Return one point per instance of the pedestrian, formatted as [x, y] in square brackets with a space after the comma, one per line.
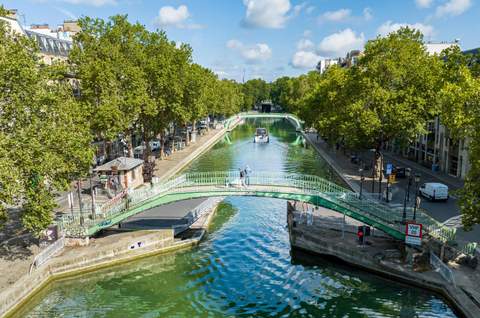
[248, 171]
[242, 178]
[360, 235]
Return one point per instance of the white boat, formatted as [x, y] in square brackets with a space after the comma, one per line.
[261, 136]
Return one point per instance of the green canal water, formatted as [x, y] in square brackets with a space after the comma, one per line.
[245, 267]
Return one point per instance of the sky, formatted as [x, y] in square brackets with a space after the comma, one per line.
[245, 39]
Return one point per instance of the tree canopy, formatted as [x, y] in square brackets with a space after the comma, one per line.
[44, 139]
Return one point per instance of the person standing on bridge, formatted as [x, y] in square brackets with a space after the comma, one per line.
[242, 178]
[248, 171]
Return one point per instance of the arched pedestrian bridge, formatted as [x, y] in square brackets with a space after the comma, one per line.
[291, 117]
[306, 188]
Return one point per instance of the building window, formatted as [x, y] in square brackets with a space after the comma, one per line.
[133, 174]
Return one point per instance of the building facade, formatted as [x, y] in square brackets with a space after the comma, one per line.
[438, 149]
[54, 45]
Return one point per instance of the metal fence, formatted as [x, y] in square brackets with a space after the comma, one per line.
[442, 268]
[48, 253]
[254, 183]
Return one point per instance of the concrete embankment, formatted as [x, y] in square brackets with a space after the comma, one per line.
[383, 256]
[97, 254]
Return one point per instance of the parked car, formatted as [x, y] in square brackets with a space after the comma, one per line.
[402, 172]
[434, 191]
[155, 145]
[138, 152]
[99, 160]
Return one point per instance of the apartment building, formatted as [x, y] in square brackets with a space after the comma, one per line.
[54, 44]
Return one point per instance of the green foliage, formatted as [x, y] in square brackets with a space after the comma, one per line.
[3, 11]
[459, 101]
[255, 91]
[44, 139]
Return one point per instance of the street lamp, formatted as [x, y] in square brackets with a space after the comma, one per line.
[362, 178]
[380, 178]
[92, 194]
[407, 194]
[80, 203]
[417, 201]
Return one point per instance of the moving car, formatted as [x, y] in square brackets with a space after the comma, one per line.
[261, 136]
[434, 191]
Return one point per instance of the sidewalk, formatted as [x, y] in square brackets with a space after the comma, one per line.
[448, 212]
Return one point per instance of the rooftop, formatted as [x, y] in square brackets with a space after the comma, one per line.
[122, 164]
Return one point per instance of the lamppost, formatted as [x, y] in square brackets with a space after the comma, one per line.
[417, 201]
[407, 194]
[80, 204]
[380, 177]
[92, 194]
[362, 178]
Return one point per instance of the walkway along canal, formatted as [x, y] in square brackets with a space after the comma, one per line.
[245, 267]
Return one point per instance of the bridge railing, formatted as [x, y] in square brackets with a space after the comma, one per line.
[394, 216]
[229, 181]
[297, 121]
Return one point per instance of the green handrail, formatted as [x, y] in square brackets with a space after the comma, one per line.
[293, 186]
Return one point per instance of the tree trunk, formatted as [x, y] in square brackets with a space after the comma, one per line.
[162, 146]
[187, 137]
[129, 138]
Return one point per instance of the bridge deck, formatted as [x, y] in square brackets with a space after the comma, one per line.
[311, 189]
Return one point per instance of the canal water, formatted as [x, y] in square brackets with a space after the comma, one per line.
[245, 267]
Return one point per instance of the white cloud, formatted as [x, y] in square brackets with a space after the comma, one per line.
[298, 8]
[336, 16]
[305, 59]
[338, 44]
[310, 9]
[423, 3]
[307, 33]
[305, 45]
[271, 14]
[389, 27]
[96, 3]
[251, 53]
[168, 16]
[221, 74]
[367, 14]
[453, 8]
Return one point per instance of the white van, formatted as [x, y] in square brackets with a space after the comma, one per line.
[434, 191]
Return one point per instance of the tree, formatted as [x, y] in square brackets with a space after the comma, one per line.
[107, 58]
[255, 91]
[395, 83]
[44, 138]
[164, 66]
[459, 101]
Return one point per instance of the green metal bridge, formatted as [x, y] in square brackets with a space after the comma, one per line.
[291, 117]
[306, 188]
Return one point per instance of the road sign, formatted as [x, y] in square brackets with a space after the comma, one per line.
[413, 234]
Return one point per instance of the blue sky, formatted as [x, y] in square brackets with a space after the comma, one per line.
[272, 38]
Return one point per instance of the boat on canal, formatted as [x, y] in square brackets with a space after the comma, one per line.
[261, 136]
